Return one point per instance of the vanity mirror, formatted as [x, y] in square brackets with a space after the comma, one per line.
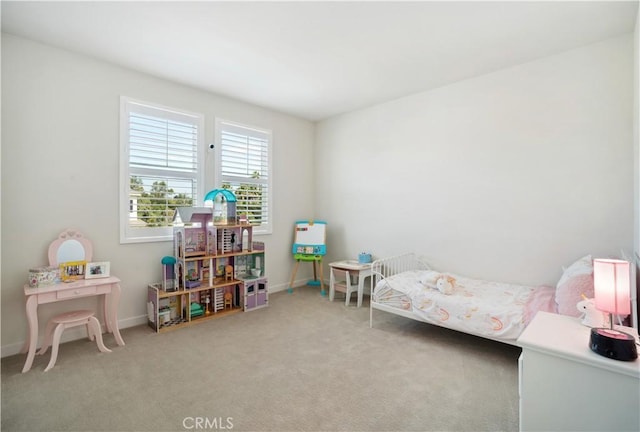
[70, 245]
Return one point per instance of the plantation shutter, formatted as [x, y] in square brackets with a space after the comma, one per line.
[162, 143]
[163, 167]
[244, 169]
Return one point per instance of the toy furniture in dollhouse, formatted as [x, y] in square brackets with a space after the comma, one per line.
[71, 245]
[213, 256]
[169, 281]
[228, 272]
[196, 309]
[218, 299]
[60, 323]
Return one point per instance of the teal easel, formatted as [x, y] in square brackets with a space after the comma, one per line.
[309, 246]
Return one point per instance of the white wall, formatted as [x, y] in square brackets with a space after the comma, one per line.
[60, 131]
[506, 176]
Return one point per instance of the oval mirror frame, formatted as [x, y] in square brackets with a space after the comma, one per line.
[70, 245]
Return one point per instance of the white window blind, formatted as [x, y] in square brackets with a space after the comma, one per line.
[243, 160]
[160, 162]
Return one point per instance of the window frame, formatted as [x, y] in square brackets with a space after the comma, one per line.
[127, 106]
[266, 228]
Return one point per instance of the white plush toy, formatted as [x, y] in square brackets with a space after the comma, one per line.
[592, 317]
[441, 282]
[445, 284]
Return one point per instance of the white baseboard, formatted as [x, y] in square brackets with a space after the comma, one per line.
[284, 287]
[296, 284]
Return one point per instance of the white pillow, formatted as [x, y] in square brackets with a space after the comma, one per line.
[582, 266]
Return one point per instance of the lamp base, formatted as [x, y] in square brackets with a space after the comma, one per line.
[613, 344]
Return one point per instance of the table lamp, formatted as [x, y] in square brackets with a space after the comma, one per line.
[611, 281]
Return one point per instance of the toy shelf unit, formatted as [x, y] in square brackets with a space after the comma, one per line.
[215, 267]
[183, 307]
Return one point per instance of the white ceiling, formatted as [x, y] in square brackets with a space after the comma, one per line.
[318, 59]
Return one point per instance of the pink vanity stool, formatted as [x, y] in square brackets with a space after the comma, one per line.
[59, 323]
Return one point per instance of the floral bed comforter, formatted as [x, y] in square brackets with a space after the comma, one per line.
[493, 309]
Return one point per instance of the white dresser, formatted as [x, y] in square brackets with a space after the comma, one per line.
[564, 386]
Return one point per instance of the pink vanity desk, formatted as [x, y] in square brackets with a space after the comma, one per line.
[72, 243]
[108, 287]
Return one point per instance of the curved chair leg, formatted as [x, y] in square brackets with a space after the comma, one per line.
[48, 336]
[96, 330]
[54, 349]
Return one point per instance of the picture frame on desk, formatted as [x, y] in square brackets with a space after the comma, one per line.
[72, 270]
[96, 270]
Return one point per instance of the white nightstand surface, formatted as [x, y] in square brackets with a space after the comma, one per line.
[565, 337]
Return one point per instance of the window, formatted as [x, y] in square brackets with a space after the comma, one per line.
[243, 156]
[160, 158]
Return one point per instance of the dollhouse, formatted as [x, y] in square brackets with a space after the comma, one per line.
[217, 267]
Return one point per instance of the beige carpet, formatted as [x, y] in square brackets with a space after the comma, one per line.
[301, 364]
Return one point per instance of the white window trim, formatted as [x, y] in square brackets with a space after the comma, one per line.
[268, 227]
[159, 233]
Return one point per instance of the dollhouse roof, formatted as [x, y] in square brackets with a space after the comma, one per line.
[185, 215]
[226, 193]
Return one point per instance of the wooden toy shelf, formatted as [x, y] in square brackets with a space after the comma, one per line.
[183, 307]
[218, 271]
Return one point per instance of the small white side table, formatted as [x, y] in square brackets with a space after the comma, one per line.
[351, 268]
[564, 386]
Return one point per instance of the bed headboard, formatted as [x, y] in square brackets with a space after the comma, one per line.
[385, 267]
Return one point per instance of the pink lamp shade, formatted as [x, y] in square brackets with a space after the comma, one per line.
[612, 286]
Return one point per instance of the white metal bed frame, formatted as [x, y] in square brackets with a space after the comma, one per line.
[385, 267]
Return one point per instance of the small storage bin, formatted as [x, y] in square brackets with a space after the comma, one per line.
[43, 276]
[364, 258]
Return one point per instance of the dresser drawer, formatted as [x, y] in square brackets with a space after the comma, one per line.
[76, 292]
